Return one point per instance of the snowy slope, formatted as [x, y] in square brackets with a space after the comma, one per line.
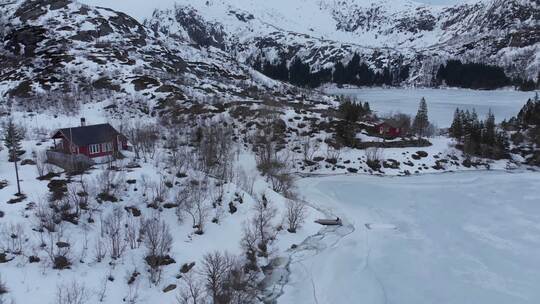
[54, 47]
[105, 279]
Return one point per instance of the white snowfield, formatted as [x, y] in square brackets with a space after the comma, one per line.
[441, 102]
[442, 238]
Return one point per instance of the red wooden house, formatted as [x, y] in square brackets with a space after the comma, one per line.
[91, 141]
[388, 129]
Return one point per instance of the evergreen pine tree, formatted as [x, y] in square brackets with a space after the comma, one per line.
[12, 140]
[490, 132]
[351, 71]
[456, 130]
[339, 73]
[367, 108]
[421, 121]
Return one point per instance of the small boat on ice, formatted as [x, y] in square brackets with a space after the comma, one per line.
[329, 222]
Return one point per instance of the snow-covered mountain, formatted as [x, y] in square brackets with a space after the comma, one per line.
[322, 32]
[54, 47]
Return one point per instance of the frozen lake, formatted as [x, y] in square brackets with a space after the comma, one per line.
[438, 238]
[441, 102]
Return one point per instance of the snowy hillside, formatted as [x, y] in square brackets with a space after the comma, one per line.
[503, 33]
[54, 49]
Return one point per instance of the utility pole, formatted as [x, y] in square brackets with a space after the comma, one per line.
[14, 155]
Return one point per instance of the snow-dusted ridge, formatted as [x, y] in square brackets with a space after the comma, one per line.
[62, 45]
[503, 33]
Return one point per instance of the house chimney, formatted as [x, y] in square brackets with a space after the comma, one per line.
[83, 121]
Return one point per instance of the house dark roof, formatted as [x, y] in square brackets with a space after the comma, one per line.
[390, 123]
[83, 136]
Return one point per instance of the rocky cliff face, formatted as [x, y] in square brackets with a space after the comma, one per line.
[498, 32]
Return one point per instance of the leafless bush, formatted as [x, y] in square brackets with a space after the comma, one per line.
[13, 238]
[226, 279]
[46, 218]
[132, 231]
[242, 285]
[191, 290]
[143, 138]
[99, 249]
[180, 156]
[296, 215]
[246, 181]
[215, 267]
[73, 293]
[108, 183]
[58, 248]
[262, 224]
[113, 227]
[274, 165]
[158, 241]
[214, 148]
[42, 167]
[102, 292]
[332, 154]
[309, 147]
[3, 290]
[374, 157]
[249, 246]
[196, 204]
[159, 192]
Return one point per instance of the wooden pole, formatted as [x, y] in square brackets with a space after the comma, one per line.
[14, 155]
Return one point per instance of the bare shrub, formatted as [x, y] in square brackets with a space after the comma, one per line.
[226, 280]
[191, 291]
[262, 224]
[246, 181]
[180, 156]
[108, 183]
[42, 167]
[59, 250]
[113, 227]
[215, 269]
[196, 206]
[3, 289]
[13, 238]
[73, 293]
[309, 148]
[296, 215]
[374, 157]
[100, 249]
[332, 154]
[214, 148]
[241, 285]
[158, 241]
[47, 219]
[132, 231]
[143, 138]
[159, 192]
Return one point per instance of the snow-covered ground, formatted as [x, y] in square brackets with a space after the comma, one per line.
[438, 238]
[441, 102]
[31, 283]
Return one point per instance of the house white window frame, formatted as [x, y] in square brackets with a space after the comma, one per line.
[106, 147]
[94, 149]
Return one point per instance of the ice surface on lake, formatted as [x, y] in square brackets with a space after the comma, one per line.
[458, 238]
[441, 102]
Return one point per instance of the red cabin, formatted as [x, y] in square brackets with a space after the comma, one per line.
[387, 129]
[92, 141]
